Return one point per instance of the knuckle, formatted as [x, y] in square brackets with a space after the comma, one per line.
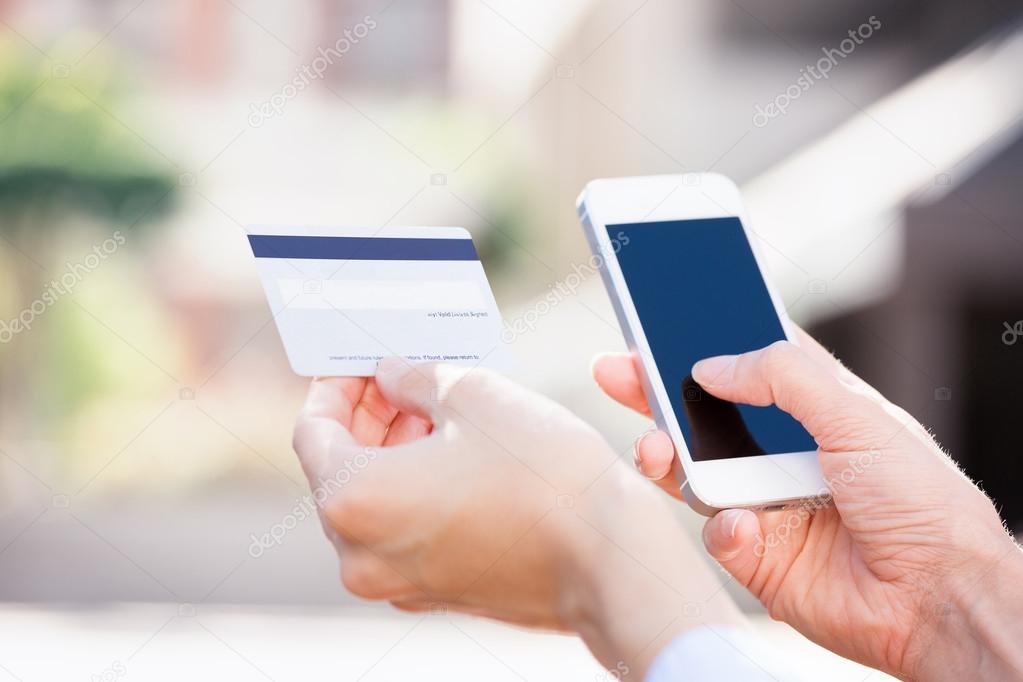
[348, 511]
[359, 578]
[779, 356]
[300, 434]
[414, 383]
[776, 609]
[463, 384]
[853, 422]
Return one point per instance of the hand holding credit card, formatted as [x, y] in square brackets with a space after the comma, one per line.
[343, 298]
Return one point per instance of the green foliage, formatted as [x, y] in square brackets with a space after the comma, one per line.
[64, 144]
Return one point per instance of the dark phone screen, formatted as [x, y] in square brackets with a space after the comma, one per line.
[699, 292]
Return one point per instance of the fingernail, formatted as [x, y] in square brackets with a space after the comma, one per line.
[715, 371]
[730, 521]
[635, 450]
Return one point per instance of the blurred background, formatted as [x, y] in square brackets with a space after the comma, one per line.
[146, 403]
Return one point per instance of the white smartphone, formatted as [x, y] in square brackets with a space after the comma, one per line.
[686, 280]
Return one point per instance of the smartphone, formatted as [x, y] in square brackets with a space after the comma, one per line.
[687, 282]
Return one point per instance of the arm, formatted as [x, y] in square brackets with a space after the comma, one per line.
[975, 628]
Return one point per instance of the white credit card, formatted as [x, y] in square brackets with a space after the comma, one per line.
[345, 297]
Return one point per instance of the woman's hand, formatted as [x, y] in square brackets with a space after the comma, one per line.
[910, 571]
[463, 490]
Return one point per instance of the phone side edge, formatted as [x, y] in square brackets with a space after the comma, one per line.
[678, 466]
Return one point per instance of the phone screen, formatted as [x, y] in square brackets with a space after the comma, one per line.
[699, 292]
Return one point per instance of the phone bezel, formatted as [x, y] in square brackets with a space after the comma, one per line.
[766, 481]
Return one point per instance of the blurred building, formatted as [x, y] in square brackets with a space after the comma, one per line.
[891, 190]
[493, 115]
[947, 344]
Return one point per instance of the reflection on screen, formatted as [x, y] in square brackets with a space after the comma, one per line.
[699, 292]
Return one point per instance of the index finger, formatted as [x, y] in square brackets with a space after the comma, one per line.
[617, 374]
[324, 421]
[335, 397]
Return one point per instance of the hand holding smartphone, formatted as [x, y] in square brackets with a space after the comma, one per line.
[687, 283]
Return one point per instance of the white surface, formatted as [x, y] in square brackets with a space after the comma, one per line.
[172, 642]
[379, 294]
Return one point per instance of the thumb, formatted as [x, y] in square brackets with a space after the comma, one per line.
[420, 389]
[840, 416]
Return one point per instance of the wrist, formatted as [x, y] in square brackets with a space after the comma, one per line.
[635, 579]
[973, 627]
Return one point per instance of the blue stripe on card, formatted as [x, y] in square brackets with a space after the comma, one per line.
[361, 248]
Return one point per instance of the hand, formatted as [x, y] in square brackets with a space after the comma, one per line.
[910, 571]
[479, 496]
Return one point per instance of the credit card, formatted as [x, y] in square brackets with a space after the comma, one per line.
[343, 298]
